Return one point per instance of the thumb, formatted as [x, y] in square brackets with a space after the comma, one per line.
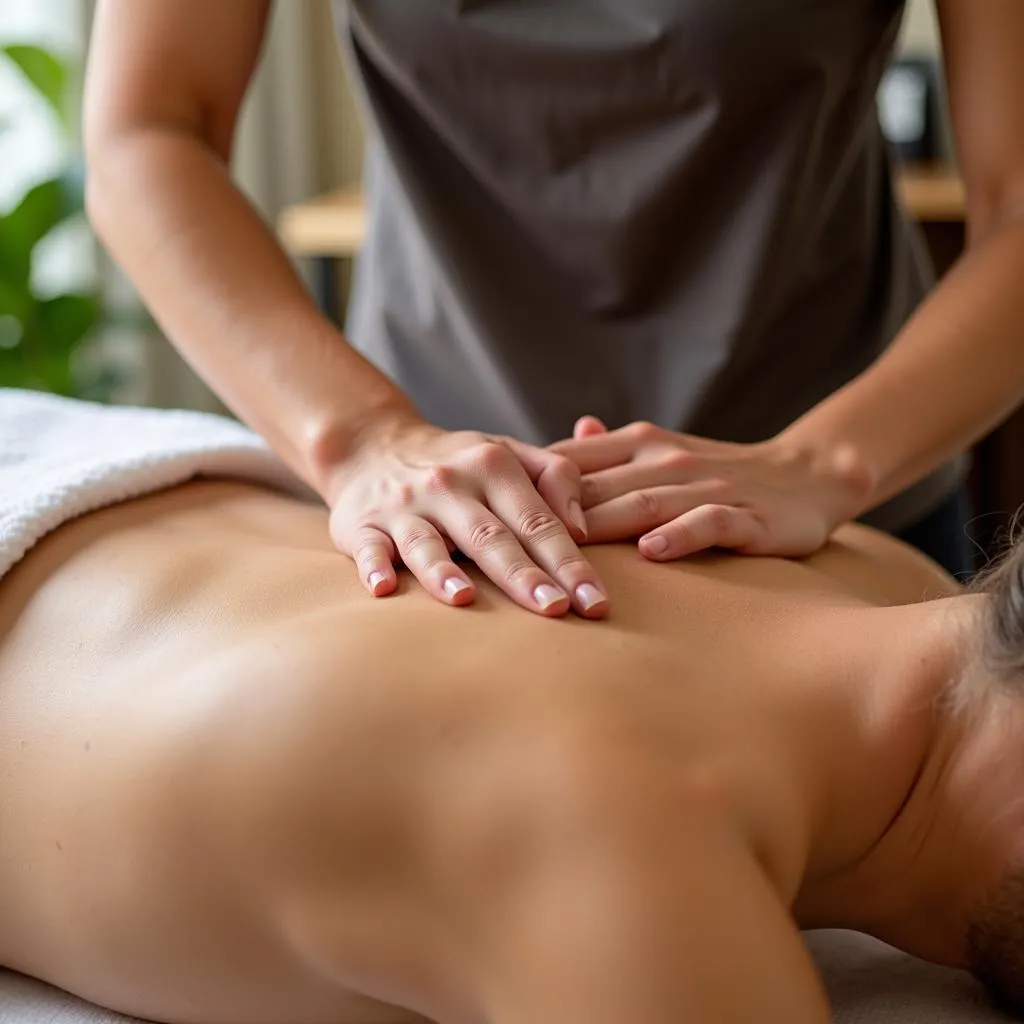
[588, 426]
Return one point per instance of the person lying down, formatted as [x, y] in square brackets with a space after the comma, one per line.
[235, 788]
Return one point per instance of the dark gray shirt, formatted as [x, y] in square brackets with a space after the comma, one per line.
[673, 210]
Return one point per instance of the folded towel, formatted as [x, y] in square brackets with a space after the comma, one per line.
[60, 458]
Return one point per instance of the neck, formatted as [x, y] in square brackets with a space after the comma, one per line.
[899, 884]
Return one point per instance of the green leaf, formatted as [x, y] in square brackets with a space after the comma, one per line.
[47, 74]
[62, 322]
[41, 209]
[54, 373]
[15, 302]
[12, 367]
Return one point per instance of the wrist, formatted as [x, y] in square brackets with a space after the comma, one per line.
[841, 482]
[330, 445]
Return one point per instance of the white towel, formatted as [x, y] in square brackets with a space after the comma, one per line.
[60, 458]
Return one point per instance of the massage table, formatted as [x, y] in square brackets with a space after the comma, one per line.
[868, 982]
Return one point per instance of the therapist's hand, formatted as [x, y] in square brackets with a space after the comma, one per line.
[682, 494]
[414, 492]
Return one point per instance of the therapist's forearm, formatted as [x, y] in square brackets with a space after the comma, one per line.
[216, 280]
[954, 372]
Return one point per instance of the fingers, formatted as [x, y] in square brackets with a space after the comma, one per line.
[374, 555]
[557, 480]
[639, 511]
[427, 557]
[677, 466]
[484, 538]
[602, 451]
[545, 540]
[424, 552]
[709, 526]
[588, 426]
[502, 505]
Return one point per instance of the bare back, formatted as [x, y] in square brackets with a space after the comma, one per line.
[131, 640]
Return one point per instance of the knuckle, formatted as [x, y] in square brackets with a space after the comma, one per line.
[563, 466]
[367, 550]
[590, 493]
[467, 438]
[647, 504]
[719, 517]
[644, 430]
[720, 490]
[517, 569]
[539, 525]
[440, 479]
[405, 495]
[416, 538]
[488, 534]
[678, 459]
[572, 564]
[490, 457]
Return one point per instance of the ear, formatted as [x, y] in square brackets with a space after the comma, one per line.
[588, 426]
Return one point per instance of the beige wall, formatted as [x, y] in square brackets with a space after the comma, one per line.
[920, 30]
[300, 132]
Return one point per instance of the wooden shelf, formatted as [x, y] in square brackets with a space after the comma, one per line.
[932, 195]
[335, 224]
[330, 225]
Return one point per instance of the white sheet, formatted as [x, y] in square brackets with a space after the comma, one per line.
[869, 983]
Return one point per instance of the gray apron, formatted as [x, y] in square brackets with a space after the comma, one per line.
[673, 210]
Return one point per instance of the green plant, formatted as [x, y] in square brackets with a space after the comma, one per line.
[41, 336]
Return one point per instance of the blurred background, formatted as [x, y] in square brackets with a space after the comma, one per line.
[70, 323]
[299, 136]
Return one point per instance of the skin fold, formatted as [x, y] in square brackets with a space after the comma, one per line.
[236, 788]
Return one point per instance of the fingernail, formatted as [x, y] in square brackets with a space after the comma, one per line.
[588, 595]
[579, 520]
[655, 545]
[453, 586]
[546, 595]
[376, 579]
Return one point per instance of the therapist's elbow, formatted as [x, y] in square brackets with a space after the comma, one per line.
[993, 202]
[100, 194]
[104, 184]
[113, 175]
[132, 164]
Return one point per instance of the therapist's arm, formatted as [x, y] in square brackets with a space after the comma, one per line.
[165, 82]
[957, 368]
[164, 86]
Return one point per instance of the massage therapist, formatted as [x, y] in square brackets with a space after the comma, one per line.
[588, 214]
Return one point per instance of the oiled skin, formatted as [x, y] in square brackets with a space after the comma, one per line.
[234, 788]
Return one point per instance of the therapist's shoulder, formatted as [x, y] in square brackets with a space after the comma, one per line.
[881, 568]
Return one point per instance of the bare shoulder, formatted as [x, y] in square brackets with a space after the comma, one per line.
[881, 568]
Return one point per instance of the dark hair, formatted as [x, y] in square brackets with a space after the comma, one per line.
[995, 932]
[995, 943]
